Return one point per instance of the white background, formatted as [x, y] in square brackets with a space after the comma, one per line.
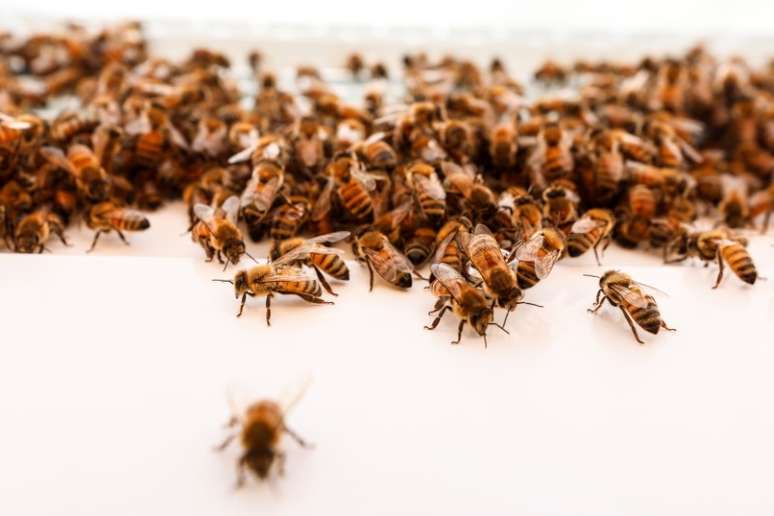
[114, 367]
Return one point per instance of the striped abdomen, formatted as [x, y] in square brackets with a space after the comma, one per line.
[642, 201]
[356, 200]
[558, 163]
[648, 318]
[434, 209]
[739, 261]
[331, 264]
[304, 288]
[669, 154]
[127, 220]
[149, 148]
[579, 243]
[420, 246]
[287, 221]
[526, 276]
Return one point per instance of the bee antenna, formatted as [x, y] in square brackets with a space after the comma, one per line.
[251, 257]
[591, 276]
[501, 327]
[507, 313]
[530, 304]
[225, 266]
[224, 280]
[485, 343]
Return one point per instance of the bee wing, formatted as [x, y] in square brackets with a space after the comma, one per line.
[632, 297]
[57, 157]
[529, 251]
[140, 125]
[330, 238]
[285, 275]
[367, 179]
[12, 123]
[481, 229]
[401, 262]
[733, 185]
[545, 264]
[432, 152]
[231, 207]
[431, 185]
[441, 249]
[292, 394]
[244, 154]
[378, 136]
[204, 213]
[271, 151]
[323, 204]
[585, 225]
[264, 198]
[305, 250]
[654, 289]
[449, 278]
[176, 137]
[689, 151]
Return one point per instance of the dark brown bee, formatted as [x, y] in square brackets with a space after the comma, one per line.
[621, 291]
[551, 72]
[261, 427]
[734, 208]
[107, 216]
[312, 253]
[355, 64]
[34, 230]
[590, 231]
[420, 245]
[15, 198]
[288, 219]
[537, 256]
[375, 250]
[469, 303]
[721, 245]
[217, 231]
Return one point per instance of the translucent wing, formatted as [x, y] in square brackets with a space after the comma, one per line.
[440, 251]
[176, 137]
[379, 259]
[244, 154]
[203, 212]
[12, 123]
[330, 238]
[733, 185]
[529, 251]
[430, 185]
[323, 204]
[292, 394]
[654, 289]
[632, 297]
[286, 275]
[545, 264]
[140, 125]
[375, 138]
[56, 156]
[432, 151]
[449, 278]
[231, 207]
[585, 225]
[262, 197]
[305, 250]
[367, 179]
[271, 151]
[481, 229]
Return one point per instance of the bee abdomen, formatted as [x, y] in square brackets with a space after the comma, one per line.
[332, 264]
[739, 261]
[525, 274]
[356, 200]
[579, 243]
[130, 222]
[648, 318]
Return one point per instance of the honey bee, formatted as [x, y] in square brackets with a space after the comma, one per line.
[537, 256]
[719, 245]
[107, 216]
[560, 203]
[260, 194]
[590, 231]
[377, 153]
[12, 135]
[420, 245]
[312, 253]
[15, 198]
[762, 202]
[354, 187]
[69, 124]
[734, 208]
[33, 231]
[503, 145]
[457, 139]
[551, 158]
[622, 291]
[288, 219]
[276, 277]
[375, 250]
[261, 427]
[467, 302]
[428, 191]
[91, 179]
[355, 65]
[478, 201]
[154, 136]
[217, 231]
[308, 141]
[551, 72]
[210, 138]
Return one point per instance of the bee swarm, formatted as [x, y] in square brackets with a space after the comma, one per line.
[463, 171]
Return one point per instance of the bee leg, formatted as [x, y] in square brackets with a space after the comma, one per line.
[667, 328]
[766, 221]
[242, 304]
[631, 325]
[94, 242]
[438, 318]
[300, 440]
[280, 458]
[240, 482]
[122, 237]
[597, 304]
[222, 446]
[268, 308]
[438, 305]
[324, 282]
[459, 332]
[596, 254]
[220, 258]
[62, 238]
[315, 300]
[370, 276]
[720, 272]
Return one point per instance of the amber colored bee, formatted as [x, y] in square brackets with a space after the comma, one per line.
[622, 291]
[428, 191]
[734, 207]
[551, 158]
[211, 137]
[217, 231]
[551, 72]
[721, 245]
[663, 231]
[377, 153]
[154, 136]
[33, 231]
[276, 277]
[478, 200]
[560, 203]
[312, 253]
[503, 145]
[537, 256]
[288, 219]
[69, 124]
[379, 71]
[420, 245]
[15, 198]
[499, 278]
[375, 250]
[762, 202]
[354, 187]
[261, 427]
[107, 216]
[355, 64]
[590, 231]
[260, 194]
[467, 302]
[457, 139]
[91, 179]
[308, 143]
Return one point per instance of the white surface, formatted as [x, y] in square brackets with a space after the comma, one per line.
[114, 371]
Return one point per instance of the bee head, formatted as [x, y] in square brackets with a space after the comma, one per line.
[480, 320]
[25, 243]
[234, 249]
[510, 298]
[240, 283]
[404, 280]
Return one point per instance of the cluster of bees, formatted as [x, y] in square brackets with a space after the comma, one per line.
[463, 172]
